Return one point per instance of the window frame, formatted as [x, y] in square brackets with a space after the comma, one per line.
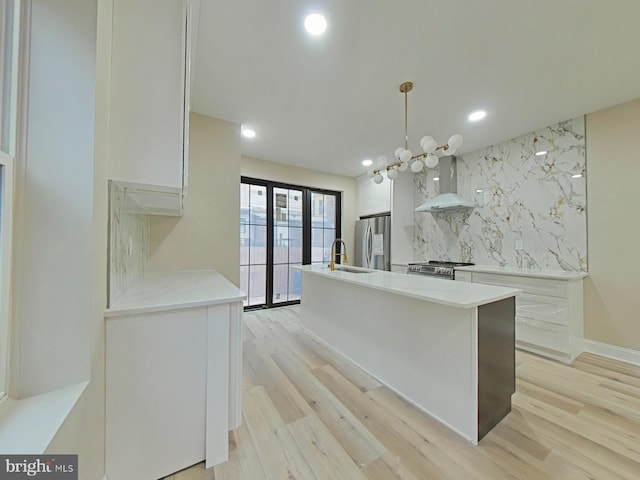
[8, 163]
[306, 230]
[6, 233]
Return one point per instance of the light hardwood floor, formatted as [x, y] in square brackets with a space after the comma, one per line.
[309, 414]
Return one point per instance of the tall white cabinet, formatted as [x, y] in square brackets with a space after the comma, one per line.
[373, 198]
[402, 222]
[152, 46]
[394, 196]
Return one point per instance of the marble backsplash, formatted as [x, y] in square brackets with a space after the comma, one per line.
[128, 242]
[530, 210]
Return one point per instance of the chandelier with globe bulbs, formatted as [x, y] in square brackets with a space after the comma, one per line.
[405, 159]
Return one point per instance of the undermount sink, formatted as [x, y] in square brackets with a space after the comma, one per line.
[351, 270]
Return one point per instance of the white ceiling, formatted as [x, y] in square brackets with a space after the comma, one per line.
[328, 102]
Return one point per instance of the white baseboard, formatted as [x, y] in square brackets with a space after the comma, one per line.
[612, 351]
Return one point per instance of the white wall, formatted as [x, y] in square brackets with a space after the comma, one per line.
[611, 290]
[53, 254]
[208, 235]
[278, 172]
[80, 284]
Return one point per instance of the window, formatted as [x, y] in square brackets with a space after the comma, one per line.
[9, 23]
[282, 226]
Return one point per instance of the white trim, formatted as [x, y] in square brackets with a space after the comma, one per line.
[612, 351]
[13, 364]
[6, 236]
[235, 365]
[29, 424]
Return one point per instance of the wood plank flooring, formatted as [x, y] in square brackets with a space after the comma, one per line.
[310, 414]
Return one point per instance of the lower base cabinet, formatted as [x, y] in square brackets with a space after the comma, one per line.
[173, 389]
[549, 312]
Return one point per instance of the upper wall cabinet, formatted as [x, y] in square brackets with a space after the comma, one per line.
[152, 43]
[373, 198]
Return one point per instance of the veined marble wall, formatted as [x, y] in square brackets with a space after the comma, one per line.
[128, 242]
[530, 210]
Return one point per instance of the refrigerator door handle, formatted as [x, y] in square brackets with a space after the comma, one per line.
[369, 245]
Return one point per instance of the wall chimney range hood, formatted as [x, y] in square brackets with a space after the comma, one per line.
[448, 199]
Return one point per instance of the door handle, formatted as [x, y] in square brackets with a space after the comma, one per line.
[369, 245]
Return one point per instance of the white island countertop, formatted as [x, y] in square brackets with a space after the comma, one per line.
[526, 272]
[446, 292]
[158, 292]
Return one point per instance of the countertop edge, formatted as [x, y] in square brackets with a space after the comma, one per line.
[514, 291]
[551, 274]
[215, 290]
[109, 313]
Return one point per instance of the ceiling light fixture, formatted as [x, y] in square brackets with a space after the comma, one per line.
[577, 175]
[405, 158]
[367, 163]
[477, 115]
[248, 132]
[315, 24]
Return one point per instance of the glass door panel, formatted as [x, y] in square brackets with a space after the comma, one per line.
[287, 239]
[253, 243]
[323, 226]
[282, 226]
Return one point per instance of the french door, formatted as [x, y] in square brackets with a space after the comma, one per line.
[282, 226]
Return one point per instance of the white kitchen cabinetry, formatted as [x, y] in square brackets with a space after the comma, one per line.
[462, 276]
[150, 93]
[173, 374]
[549, 312]
[373, 198]
[402, 219]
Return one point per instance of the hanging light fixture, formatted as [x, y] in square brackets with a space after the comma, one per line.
[404, 158]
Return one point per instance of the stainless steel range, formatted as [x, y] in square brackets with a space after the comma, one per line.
[435, 268]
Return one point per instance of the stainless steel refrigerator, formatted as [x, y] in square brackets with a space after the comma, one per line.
[373, 243]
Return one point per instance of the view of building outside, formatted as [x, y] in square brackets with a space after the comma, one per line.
[253, 243]
[287, 244]
[323, 226]
[288, 226]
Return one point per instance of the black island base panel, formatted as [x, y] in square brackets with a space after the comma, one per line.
[496, 362]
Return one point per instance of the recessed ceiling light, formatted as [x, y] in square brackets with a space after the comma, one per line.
[436, 179]
[477, 115]
[248, 132]
[541, 152]
[315, 24]
[577, 175]
[367, 163]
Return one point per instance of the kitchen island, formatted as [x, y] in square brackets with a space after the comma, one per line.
[447, 347]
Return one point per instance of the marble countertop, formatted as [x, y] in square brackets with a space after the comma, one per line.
[526, 272]
[436, 290]
[175, 290]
